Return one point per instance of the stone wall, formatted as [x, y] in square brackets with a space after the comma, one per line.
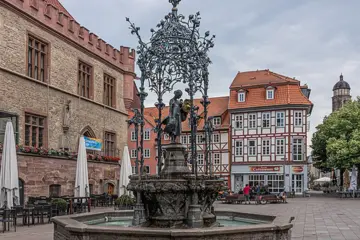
[75, 227]
[20, 94]
[38, 173]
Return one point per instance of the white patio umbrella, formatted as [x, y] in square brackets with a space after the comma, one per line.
[9, 179]
[125, 171]
[353, 181]
[323, 179]
[82, 177]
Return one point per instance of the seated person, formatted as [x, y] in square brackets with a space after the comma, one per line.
[282, 196]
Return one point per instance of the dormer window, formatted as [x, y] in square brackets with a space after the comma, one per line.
[270, 93]
[241, 97]
[217, 121]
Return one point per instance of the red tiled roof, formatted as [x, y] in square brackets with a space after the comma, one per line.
[217, 108]
[287, 90]
[148, 118]
[259, 77]
[60, 7]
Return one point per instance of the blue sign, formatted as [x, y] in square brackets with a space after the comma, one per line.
[93, 144]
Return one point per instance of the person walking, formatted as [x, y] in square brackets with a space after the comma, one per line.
[247, 193]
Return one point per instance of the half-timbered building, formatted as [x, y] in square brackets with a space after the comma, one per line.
[269, 125]
[220, 137]
[219, 146]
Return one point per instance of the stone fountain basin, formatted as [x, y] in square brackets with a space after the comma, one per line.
[75, 227]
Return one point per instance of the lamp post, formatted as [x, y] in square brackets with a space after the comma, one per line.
[284, 172]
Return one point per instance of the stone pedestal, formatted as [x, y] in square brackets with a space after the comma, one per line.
[175, 164]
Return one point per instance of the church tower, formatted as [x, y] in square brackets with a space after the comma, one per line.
[341, 94]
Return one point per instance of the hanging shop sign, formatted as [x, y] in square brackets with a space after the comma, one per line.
[297, 169]
[93, 144]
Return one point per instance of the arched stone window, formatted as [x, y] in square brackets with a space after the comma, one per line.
[55, 190]
[88, 132]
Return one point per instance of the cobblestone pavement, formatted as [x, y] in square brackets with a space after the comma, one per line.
[316, 218]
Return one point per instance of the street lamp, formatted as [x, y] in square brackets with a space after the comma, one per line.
[284, 173]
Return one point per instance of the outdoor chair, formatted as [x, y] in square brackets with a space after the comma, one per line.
[46, 213]
[38, 214]
[54, 210]
[7, 216]
[19, 213]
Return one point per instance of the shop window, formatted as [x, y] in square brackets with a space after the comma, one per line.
[276, 183]
[257, 179]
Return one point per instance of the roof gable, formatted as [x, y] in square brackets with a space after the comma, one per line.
[260, 77]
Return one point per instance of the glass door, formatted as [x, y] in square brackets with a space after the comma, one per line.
[297, 183]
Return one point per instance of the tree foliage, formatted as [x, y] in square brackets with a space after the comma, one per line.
[336, 142]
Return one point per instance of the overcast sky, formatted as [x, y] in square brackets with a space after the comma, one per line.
[312, 40]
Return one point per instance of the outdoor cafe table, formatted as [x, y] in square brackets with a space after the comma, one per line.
[80, 199]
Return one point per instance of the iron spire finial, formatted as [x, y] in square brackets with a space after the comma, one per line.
[341, 77]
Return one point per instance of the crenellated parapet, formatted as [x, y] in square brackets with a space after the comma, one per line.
[59, 21]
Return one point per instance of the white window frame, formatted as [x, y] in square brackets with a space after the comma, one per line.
[166, 137]
[280, 119]
[275, 182]
[147, 155]
[199, 138]
[241, 96]
[183, 139]
[217, 121]
[266, 120]
[133, 169]
[280, 146]
[252, 149]
[298, 148]
[252, 120]
[217, 158]
[200, 159]
[133, 136]
[298, 118]
[270, 94]
[239, 151]
[147, 134]
[266, 147]
[238, 121]
[133, 153]
[216, 138]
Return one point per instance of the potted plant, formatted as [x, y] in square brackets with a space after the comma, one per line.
[61, 205]
[124, 202]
